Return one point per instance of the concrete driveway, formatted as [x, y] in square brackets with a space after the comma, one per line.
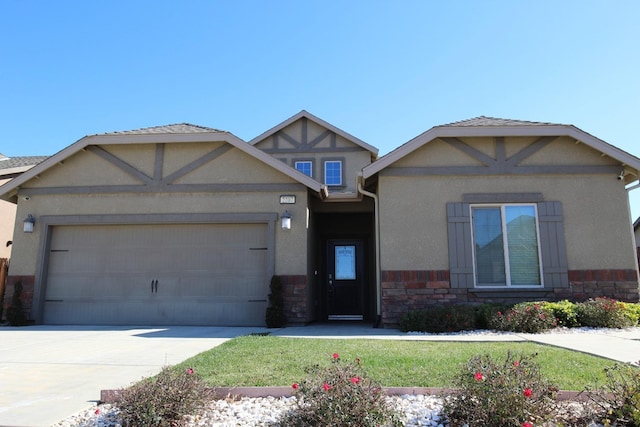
[48, 373]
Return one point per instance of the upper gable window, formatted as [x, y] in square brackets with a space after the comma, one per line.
[333, 172]
[506, 245]
[306, 167]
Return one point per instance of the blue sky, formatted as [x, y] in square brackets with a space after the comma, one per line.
[384, 71]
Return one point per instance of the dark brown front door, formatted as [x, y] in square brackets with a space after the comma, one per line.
[345, 279]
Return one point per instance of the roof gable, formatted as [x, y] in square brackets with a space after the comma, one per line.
[318, 121]
[181, 133]
[495, 127]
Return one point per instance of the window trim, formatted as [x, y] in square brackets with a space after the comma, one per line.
[324, 171]
[507, 285]
[310, 161]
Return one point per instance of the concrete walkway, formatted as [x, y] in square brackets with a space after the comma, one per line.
[48, 373]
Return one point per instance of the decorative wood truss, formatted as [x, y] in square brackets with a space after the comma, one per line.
[304, 145]
[159, 182]
[500, 164]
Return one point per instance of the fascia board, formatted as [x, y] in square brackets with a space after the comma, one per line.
[277, 127]
[485, 131]
[342, 133]
[318, 121]
[16, 182]
[124, 139]
[275, 163]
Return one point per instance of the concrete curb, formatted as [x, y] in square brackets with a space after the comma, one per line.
[111, 396]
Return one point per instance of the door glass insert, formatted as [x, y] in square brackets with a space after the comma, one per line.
[345, 262]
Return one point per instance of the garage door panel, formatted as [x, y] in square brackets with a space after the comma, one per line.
[205, 273]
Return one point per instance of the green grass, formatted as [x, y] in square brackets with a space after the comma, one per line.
[277, 361]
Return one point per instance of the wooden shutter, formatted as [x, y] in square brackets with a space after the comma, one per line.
[552, 245]
[460, 249]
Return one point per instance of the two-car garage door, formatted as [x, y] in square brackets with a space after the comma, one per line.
[168, 274]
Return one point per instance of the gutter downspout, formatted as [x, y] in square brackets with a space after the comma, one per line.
[377, 246]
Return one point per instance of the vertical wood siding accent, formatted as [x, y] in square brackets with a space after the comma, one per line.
[552, 245]
[460, 250]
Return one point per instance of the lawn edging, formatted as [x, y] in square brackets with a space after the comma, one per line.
[111, 396]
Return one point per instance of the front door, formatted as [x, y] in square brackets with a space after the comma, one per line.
[345, 279]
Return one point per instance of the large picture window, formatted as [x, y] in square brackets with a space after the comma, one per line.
[506, 246]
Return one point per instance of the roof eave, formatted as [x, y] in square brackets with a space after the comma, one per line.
[488, 131]
[319, 121]
[9, 189]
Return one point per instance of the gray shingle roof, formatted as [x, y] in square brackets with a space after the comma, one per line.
[494, 121]
[173, 128]
[16, 162]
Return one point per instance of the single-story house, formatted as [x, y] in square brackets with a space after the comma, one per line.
[184, 224]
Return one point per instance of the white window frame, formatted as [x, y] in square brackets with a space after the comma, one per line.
[309, 162]
[326, 163]
[507, 284]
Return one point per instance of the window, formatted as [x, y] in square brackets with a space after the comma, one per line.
[333, 172]
[305, 167]
[505, 245]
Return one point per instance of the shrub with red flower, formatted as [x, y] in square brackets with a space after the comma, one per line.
[529, 317]
[504, 393]
[338, 395]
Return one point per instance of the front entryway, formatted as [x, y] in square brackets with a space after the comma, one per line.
[345, 279]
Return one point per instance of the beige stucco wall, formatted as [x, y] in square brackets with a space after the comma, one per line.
[353, 156]
[413, 209]
[234, 167]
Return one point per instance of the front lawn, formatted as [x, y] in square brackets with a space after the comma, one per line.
[278, 361]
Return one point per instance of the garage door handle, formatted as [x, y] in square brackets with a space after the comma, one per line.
[154, 286]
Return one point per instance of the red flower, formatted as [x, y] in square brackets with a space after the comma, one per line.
[527, 424]
[326, 387]
[336, 356]
[527, 392]
[499, 313]
[190, 371]
[355, 380]
[516, 363]
[295, 386]
[478, 376]
[97, 412]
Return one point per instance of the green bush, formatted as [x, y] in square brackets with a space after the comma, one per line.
[618, 400]
[485, 312]
[511, 393]
[440, 318]
[632, 311]
[162, 401]
[528, 317]
[603, 313]
[565, 312]
[339, 395]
